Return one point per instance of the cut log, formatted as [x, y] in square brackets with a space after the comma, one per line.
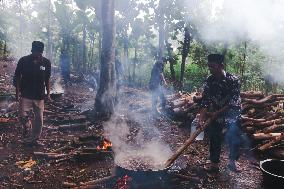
[252, 94]
[265, 136]
[96, 150]
[49, 155]
[73, 127]
[252, 119]
[8, 120]
[69, 184]
[273, 128]
[270, 123]
[263, 100]
[272, 142]
[262, 113]
[97, 181]
[69, 119]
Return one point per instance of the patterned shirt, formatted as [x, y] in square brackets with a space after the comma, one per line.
[219, 93]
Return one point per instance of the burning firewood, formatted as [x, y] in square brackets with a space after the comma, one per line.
[8, 120]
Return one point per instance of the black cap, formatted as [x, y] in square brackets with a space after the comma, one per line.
[217, 58]
[37, 46]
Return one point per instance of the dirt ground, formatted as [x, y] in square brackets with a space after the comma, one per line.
[38, 172]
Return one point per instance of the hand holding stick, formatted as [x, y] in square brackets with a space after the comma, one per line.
[188, 142]
[199, 129]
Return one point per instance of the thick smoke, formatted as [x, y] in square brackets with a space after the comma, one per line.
[141, 140]
[57, 87]
[231, 21]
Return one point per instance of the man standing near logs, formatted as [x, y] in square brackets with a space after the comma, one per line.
[156, 83]
[32, 78]
[221, 100]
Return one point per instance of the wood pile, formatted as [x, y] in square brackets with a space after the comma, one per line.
[262, 116]
[183, 105]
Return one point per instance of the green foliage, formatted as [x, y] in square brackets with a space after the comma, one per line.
[137, 25]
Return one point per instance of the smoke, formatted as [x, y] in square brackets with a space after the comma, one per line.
[57, 87]
[233, 21]
[132, 135]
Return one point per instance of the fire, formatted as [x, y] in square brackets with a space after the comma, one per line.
[107, 144]
[124, 182]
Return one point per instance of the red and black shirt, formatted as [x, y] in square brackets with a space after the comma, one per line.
[34, 74]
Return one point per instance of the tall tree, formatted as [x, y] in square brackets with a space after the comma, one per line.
[106, 94]
[185, 51]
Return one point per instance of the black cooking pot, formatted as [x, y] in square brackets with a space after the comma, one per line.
[142, 175]
[55, 95]
[273, 173]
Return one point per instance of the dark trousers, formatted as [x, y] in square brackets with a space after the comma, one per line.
[156, 94]
[232, 137]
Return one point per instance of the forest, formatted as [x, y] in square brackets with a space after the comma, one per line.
[102, 122]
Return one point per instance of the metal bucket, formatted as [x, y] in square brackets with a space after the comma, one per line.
[273, 173]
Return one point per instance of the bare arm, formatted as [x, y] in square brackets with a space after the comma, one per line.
[47, 81]
[18, 76]
[17, 88]
[47, 85]
[163, 79]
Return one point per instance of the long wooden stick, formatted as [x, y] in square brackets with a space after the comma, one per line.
[187, 143]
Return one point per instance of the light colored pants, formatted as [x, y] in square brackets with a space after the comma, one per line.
[36, 107]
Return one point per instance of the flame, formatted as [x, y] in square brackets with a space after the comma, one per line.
[107, 144]
[124, 182]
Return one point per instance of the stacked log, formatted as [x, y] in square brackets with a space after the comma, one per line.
[263, 118]
[262, 115]
[183, 105]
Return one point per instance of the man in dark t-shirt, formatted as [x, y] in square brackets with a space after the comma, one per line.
[156, 83]
[32, 79]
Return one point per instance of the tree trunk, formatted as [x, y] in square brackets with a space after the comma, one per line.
[21, 28]
[225, 50]
[243, 63]
[65, 60]
[185, 51]
[134, 65]
[172, 62]
[161, 22]
[5, 48]
[100, 46]
[49, 41]
[106, 94]
[126, 57]
[84, 62]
